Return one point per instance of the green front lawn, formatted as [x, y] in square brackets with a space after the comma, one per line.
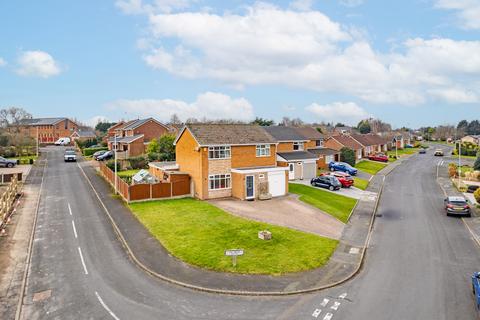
[199, 233]
[360, 183]
[371, 167]
[331, 203]
[25, 159]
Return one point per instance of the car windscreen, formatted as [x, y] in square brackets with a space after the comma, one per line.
[458, 203]
[69, 152]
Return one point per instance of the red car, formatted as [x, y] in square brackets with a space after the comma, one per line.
[378, 157]
[345, 179]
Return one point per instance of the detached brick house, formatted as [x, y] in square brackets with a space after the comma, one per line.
[48, 130]
[134, 136]
[337, 142]
[371, 143]
[230, 160]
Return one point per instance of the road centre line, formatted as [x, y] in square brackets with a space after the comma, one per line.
[343, 295]
[106, 307]
[328, 316]
[324, 302]
[74, 229]
[83, 261]
[335, 305]
[316, 313]
[70, 209]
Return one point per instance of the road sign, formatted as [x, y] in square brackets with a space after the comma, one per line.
[234, 253]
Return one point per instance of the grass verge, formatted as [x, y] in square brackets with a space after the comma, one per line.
[198, 233]
[331, 203]
[360, 183]
[371, 167]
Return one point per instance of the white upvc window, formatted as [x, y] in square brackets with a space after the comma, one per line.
[219, 181]
[319, 143]
[219, 152]
[263, 150]
[298, 146]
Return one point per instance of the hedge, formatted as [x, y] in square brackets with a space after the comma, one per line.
[89, 151]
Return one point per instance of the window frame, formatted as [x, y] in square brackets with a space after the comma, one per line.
[298, 144]
[219, 150]
[266, 150]
[217, 178]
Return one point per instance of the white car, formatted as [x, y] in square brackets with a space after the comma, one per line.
[62, 142]
[70, 155]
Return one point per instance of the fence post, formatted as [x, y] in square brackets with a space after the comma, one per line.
[151, 196]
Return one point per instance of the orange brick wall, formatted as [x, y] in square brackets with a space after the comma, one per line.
[150, 130]
[50, 134]
[285, 147]
[245, 156]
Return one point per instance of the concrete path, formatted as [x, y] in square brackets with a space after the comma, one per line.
[287, 212]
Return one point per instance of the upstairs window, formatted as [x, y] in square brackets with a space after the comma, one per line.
[298, 146]
[263, 150]
[319, 143]
[220, 152]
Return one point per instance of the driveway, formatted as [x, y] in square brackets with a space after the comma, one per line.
[285, 211]
[351, 192]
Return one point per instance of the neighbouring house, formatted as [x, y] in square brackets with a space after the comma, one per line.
[371, 143]
[325, 156]
[339, 141]
[475, 139]
[83, 134]
[344, 130]
[133, 136]
[292, 151]
[230, 160]
[47, 130]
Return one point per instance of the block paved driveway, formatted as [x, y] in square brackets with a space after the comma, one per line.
[285, 211]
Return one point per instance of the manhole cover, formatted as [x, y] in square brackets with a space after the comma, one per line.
[42, 295]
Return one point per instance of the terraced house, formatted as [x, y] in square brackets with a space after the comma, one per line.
[230, 160]
[48, 130]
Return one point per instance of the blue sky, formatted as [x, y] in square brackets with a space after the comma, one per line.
[407, 62]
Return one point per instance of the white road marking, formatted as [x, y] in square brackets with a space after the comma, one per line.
[354, 250]
[83, 261]
[335, 306]
[74, 229]
[343, 295]
[106, 307]
[328, 316]
[316, 313]
[69, 209]
[324, 302]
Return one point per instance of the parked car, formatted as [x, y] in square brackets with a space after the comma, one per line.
[422, 151]
[63, 141]
[98, 154]
[476, 289]
[457, 206]
[408, 146]
[8, 163]
[378, 157]
[327, 182]
[343, 167]
[438, 153]
[70, 155]
[107, 155]
[472, 188]
[345, 179]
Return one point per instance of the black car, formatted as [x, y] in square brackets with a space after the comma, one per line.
[98, 154]
[472, 188]
[422, 151]
[457, 206]
[327, 182]
[106, 156]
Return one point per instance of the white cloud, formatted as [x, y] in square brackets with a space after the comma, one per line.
[456, 95]
[306, 49]
[2, 62]
[347, 112]
[92, 122]
[37, 64]
[209, 105]
[468, 12]
[150, 7]
[301, 5]
[351, 3]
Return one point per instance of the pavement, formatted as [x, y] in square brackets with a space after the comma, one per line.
[417, 266]
[285, 211]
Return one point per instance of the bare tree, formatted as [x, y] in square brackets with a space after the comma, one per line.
[12, 117]
[174, 119]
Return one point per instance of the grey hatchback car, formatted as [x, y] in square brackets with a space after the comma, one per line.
[8, 163]
[457, 206]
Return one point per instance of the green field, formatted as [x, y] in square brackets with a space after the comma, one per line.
[360, 183]
[370, 167]
[199, 233]
[331, 203]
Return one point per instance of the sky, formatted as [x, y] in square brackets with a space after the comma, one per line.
[410, 63]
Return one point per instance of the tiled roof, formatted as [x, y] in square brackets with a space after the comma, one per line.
[283, 133]
[137, 123]
[323, 151]
[86, 133]
[42, 121]
[309, 133]
[297, 155]
[129, 139]
[369, 139]
[347, 141]
[229, 134]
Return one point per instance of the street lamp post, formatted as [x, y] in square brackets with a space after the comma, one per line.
[115, 161]
[37, 142]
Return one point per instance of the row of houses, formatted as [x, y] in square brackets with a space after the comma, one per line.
[49, 130]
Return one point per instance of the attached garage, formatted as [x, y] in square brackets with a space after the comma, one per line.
[302, 165]
[276, 183]
[259, 183]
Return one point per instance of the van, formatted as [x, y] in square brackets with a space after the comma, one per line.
[62, 142]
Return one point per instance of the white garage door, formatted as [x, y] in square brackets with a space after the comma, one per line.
[276, 183]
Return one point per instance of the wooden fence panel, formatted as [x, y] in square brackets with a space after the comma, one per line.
[139, 192]
[181, 187]
[161, 190]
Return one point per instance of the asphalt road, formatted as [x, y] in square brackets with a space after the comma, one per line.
[418, 265]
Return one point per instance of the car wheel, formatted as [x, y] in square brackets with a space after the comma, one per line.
[331, 188]
[10, 165]
[331, 169]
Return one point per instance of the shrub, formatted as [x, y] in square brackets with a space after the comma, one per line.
[153, 156]
[111, 164]
[138, 163]
[347, 155]
[476, 165]
[476, 194]
[452, 170]
[89, 151]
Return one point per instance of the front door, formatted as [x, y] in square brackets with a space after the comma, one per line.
[291, 171]
[249, 187]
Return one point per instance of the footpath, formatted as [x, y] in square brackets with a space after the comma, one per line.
[14, 246]
[153, 258]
